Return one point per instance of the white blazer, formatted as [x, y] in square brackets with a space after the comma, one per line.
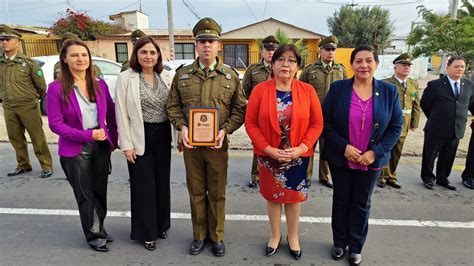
[128, 110]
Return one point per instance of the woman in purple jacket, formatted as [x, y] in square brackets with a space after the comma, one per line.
[81, 111]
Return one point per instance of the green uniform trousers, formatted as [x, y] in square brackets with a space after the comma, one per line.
[254, 172]
[388, 171]
[206, 178]
[28, 117]
[323, 165]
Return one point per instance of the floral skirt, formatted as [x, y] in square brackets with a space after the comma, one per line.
[283, 182]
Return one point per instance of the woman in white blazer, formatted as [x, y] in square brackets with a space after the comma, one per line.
[145, 139]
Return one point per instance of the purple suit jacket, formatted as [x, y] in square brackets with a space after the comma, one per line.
[66, 119]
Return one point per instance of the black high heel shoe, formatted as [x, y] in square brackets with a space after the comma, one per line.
[163, 235]
[296, 254]
[269, 251]
[150, 245]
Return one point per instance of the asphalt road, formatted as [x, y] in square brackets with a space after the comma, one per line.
[411, 226]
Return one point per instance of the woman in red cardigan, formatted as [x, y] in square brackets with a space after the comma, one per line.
[284, 120]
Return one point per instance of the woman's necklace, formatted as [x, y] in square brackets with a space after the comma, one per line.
[364, 110]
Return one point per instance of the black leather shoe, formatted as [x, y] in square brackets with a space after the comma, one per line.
[103, 248]
[18, 171]
[197, 246]
[253, 184]
[296, 254]
[269, 251]
[468, 183]
[326, 183]
[150, 245]
[163, 235]
[218, 248]
[429, 185]
[446, 184]
[394, 184]
[46, 174]
[109, 238]
[355, 259]
[381, 183]
[337, 253]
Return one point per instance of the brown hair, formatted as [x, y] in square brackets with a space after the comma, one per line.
[134, 57]
[281, 50]
[455, 58]
[66, 78]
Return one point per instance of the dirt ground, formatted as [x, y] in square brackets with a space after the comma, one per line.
[239, 140]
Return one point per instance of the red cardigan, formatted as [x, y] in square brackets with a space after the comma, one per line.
[261, 119]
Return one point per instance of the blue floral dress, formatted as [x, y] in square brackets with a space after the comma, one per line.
[283, 182]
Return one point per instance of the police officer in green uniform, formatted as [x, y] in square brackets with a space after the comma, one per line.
[320, 75]
[207, 83]
[57, 66]
[410, 103]
[21, 86]
[134, 37]
[255, 74]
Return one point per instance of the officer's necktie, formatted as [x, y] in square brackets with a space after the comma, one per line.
[328, 67]
[456, 89]
[206, 71]
[404, 84]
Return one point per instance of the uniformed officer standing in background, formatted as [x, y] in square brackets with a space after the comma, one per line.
[320, 75]
[134, 37]
[410, 103]
[207, 83]
[21, 86]
[255, 74]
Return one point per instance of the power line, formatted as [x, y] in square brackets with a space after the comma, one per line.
[265, 9]
[253, 14]
[125, 7]
[35, 8]
[353, 3]
[191, 9]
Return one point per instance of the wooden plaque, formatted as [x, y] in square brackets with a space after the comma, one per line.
[203, 126]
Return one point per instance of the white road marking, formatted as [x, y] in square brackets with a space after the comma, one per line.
[252, 218]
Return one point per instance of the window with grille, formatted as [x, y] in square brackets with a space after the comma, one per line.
[236, 55]
[184, 51]
[121, 52]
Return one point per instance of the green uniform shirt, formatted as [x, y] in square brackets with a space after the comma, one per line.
[321, 77]
[221, 89]
[409, 101]
[21, 81]
[255, 74]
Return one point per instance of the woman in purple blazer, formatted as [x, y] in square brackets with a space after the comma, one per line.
[81, 111]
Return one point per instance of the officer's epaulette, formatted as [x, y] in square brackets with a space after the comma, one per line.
[223, 70]
[340, 66]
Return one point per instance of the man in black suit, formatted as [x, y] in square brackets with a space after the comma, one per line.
[468, 174]
[445, 103]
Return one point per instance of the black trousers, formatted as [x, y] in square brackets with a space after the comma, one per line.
[150, 184]
[88, 175]
[351, 203]
[468, 173]
[442, 148]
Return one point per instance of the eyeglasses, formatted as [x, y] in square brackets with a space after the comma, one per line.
[290, 62]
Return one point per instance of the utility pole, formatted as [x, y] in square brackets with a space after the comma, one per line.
[453, 12]
[171, 28]
[8, 12]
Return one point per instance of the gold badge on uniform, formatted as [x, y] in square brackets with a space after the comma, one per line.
[228, 76]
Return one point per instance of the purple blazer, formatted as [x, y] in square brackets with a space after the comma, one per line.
[66, 119]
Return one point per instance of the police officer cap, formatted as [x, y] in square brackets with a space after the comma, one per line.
[270, 42]
[69, 36]
[404, 58]
[137, 34]
[7, 32]
[207, 29]
[328, 42]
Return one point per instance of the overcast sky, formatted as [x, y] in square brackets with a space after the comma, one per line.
[231, 14]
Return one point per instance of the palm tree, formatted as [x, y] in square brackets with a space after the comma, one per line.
[283, 38]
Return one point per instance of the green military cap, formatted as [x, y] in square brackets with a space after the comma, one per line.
[404, 58]
[270, 42]
[207, 29]
[69, 36]
[137, 34]
[328, 42]
[7, 32]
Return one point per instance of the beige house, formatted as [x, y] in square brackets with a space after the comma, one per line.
[239, 48]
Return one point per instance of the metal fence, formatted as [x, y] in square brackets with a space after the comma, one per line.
[40, 47]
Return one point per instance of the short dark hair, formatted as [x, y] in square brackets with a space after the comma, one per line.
[364, 47]
[282, 49]
[455, 58]
[134, 57]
